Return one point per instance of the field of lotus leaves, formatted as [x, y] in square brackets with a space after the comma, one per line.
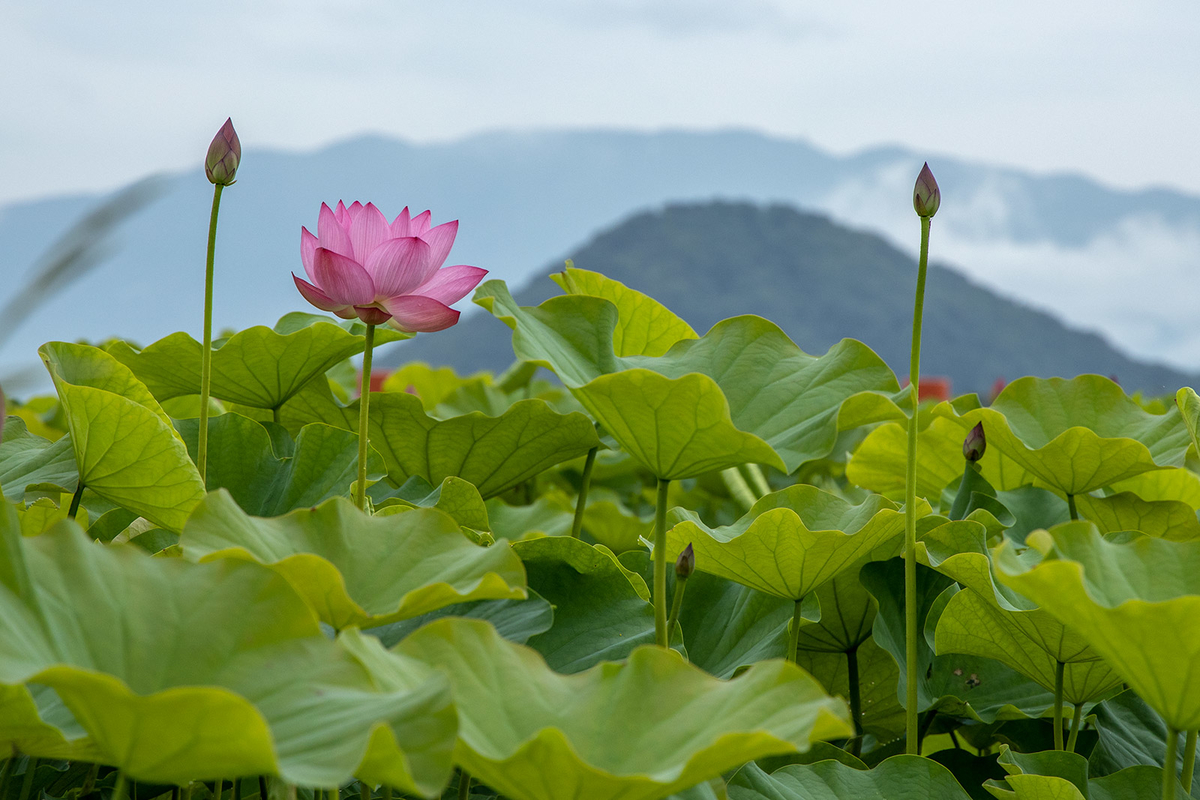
[640, 563]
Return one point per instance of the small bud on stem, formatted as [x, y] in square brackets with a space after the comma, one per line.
[224, 154]
[975, 444]
[926, 194]
[685, 565]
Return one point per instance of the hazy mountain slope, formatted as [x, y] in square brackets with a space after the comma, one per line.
[524, 199]
[820, 282]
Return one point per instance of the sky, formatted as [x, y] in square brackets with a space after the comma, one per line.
[99, 94]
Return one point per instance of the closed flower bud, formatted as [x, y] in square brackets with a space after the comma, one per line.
[926, 194]
[224, 153]
[975, 444]
[685, 565]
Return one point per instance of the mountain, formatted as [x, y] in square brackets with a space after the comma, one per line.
[1119, 262]
[820, 282]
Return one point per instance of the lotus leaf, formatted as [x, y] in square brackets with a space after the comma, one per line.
[36, 721]
[1181, 485]
[882, 712]
[494, 453]
[790, 542]
[1078, 435]
[1057, 775]
[456, 497]
[515, 620]
[27, 459]
[356, 569]
[744, 393]
[268, 474]
[728, 626]
[639, 730]
[549, 515]
[897, 778]
[1125, 511]
[990, 620]
[257, 367]
[180, 671]
[430, 384]
[1137, 604]
[601, 609]
[1131, 734]
[125, 447]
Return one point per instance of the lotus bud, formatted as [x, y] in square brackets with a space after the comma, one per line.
[926, 194]
[975, 444]
[685, 565]
[224, 153]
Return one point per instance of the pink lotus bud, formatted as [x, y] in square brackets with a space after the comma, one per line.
[685, 565]
[224, 153]
[926, 194]
[975, 444]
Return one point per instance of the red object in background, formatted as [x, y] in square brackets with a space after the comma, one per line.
[997, 388]
[931, 388]
[378, 376]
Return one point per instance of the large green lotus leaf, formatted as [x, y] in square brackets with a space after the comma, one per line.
[125, 447]
[257, 367]
[183, 672]
[1131, 734]
[728, 626]
[645, 327]
[990, 620]
[355, 569]
[742, 393]
[494, 453]
[1180, 484]
[972, 687]
[550, 515]
[882, 713]
[432, 385]
[880, 461]
[601, 609]
[515, 620]
[36, 721]
[1125, 511]
[1137, 604]
[897, 778]
[1078, 435]
[268, 474]
[27, 459]
[847, 613]
[790, 542]
[456, 497]
[1058, 775]
[639, 730]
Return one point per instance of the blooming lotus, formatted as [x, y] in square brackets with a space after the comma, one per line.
[360, 265]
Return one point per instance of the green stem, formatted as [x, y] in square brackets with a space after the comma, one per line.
[794, 633]
[206, 353]
[1168, 774]
[739, 490]
[676, 604]
[1071, 507]
[216, 789]
[464, 785]
[262, 787]
[1076, 723]
[755, 478]
[89, 783]
[27, 784]
[387, 793]
[275, 416]
[855, 700]
[1189, 760]
[237, 789]
[364, 403]
[118, 792]
[910, 506]
[5, 772]
[581, 501]
[660, 565]
[75, 498]
[1059, 669]
[364, 791]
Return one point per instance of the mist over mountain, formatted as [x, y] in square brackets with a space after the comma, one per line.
[1117, 262]
[820, 282]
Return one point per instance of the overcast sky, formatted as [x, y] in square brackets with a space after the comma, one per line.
[98, 93]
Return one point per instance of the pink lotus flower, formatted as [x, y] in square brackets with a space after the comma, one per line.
[361, 266]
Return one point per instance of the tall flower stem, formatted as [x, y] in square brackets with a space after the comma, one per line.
[1168, 773]
[206, 353]
[910, 506]
[75, 498]
[581, 501]
[118, 792]
[1076, 724]
[676, 605]
[1059, 669]
[794, 632]
[364, 402]
[1189, 760]
[27, 783]
[661, 635]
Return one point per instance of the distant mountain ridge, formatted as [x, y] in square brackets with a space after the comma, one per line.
[820, 282]
[1097, 257]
